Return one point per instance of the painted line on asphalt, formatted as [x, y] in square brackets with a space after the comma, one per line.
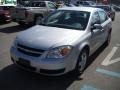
[118, 45]
[109, 73]
[88, 87]
[107, 61]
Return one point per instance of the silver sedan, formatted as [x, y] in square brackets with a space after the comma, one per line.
[63, 41]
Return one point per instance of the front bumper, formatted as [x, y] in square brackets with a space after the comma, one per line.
[19, 20]
[5, 18]
[25, 20]
[39, 65]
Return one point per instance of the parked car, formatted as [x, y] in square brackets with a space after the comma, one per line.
[32, 12]
[109, 9]
[4, 14]
[60, 4]
[63, 41]
[85, 3]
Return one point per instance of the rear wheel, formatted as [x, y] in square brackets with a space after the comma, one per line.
[82, 61]
[107, 42]
[37, 20]
[113, 18]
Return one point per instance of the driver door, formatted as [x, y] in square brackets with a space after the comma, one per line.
[96, 34]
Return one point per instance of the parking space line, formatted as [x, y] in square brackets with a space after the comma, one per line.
[88, 87]
[118, 45]
[110, 73]
[107, 61]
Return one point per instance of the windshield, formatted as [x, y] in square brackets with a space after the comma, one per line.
[32, 4]
[67, 19]
[38, 4]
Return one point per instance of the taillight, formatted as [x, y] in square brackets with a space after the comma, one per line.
[26, 13]
[6, 12]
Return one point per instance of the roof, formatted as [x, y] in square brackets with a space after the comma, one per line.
[87, 9]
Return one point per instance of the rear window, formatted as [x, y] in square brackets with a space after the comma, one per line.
[38, 4]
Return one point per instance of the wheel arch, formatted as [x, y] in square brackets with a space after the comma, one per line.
[81, 48]
[36, 15]
[84, 46]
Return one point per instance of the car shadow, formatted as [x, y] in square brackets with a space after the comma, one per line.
[13, 78]
[14, 29]
[3, 23]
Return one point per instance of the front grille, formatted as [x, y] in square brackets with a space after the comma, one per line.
[44, 71]
[29, 51]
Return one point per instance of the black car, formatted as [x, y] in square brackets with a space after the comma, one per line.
[4, 14]
[109, 9]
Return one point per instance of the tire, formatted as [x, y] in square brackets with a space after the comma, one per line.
[107, 42]
[21, 23]
[82, 61]
[37, 20]
[113, 18]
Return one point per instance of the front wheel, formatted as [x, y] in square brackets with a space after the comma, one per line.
[113, 18]
[21, 23]
[82, 61]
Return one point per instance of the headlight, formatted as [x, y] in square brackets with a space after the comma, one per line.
[59, 52]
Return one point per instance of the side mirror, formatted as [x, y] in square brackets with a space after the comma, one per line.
[96, 26]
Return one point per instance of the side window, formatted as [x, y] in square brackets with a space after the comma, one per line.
[42, 4]
[95, 18]
[51, 6]
[103, 16]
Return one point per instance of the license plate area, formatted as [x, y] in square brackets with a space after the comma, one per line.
[24, 62]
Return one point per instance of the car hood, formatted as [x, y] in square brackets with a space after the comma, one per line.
[46, 37]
